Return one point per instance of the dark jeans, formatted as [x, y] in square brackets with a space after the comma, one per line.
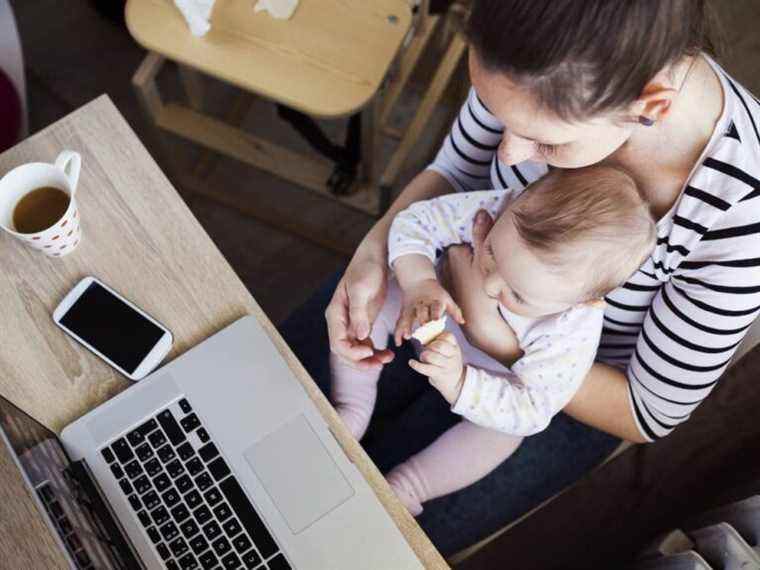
[410, 414]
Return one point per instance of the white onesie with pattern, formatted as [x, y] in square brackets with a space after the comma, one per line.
[558, 350]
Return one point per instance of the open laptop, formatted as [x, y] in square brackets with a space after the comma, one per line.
[220, 460]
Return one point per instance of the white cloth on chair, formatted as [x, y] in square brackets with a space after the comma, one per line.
[197, 14]
[280, 9]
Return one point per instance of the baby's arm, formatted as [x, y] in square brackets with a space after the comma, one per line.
[429, 226]
[523, 400]
[416, 235]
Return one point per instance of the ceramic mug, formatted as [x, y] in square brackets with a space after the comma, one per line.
[63, 236]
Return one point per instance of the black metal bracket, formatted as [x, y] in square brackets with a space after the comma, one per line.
[346, 157]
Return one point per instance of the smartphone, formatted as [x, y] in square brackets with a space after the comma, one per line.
[114, 329]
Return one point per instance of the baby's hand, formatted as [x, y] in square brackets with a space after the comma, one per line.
[441, 362]
[424, 301]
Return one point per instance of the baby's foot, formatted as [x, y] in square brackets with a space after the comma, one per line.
[404, 490]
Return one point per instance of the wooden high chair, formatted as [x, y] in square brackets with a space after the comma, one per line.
[326, 62]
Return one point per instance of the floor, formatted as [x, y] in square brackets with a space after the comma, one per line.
[74, 54]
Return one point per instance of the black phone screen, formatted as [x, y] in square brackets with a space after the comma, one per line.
[112, 327]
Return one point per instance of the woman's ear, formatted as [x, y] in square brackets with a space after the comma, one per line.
[654, 103]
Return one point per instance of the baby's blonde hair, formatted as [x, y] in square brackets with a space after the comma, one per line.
[591, 218]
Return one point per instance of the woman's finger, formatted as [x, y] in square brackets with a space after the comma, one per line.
[358, 296]
[384, 356]
[374, 362]
[341, 344]
[424, 369]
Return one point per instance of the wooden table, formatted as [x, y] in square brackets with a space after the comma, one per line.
[139, 237]
[328, 61]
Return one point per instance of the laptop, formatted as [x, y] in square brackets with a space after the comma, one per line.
[218, 460]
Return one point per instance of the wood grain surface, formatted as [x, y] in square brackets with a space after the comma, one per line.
[25, 540]
[328, 60]
[140, 238]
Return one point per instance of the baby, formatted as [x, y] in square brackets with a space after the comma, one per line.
[553, 253]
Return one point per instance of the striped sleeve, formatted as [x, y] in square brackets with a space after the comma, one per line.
[467, 153]
[675, 326]
[696, 321]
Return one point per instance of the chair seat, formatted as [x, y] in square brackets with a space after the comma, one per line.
[328, 60]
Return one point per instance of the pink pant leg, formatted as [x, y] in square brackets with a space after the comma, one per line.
[462, 455]
[353, 391]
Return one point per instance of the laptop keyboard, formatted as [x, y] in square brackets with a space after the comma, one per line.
[66, 530]
[190, 505]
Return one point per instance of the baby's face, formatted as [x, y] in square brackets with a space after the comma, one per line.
[521, 281]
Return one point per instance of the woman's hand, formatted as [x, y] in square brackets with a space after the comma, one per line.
[485, 328]
[361, 293]
[355, 305]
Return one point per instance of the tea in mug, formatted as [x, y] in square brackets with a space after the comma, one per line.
[40, 209]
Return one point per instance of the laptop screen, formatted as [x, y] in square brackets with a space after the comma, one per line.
[45, 464]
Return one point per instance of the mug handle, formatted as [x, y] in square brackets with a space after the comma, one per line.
[70, 163]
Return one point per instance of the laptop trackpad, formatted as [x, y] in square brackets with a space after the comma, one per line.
[298, 473]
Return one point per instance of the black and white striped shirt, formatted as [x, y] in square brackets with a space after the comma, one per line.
[676, 323]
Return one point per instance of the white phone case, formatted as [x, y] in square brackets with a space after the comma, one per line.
[154, 356]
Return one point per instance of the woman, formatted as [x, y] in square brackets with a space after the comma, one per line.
[568, 84]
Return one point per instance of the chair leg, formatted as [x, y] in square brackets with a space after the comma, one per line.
[234, 116]
[192, 82]
[369, 144]
[425, 110]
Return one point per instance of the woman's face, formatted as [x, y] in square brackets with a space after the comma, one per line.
[533, 133]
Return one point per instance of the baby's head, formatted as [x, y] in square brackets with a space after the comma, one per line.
[570, 238]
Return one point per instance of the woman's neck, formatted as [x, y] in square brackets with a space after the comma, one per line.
[662, 157]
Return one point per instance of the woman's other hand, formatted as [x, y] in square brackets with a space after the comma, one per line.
[354, 307]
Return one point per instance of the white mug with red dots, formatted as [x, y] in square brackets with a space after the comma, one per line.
[64, 233]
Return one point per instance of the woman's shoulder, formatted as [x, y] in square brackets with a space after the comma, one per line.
[724, 188]
[730, 169]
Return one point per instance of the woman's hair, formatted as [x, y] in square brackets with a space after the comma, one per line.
[582, 58]
[590, 221]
